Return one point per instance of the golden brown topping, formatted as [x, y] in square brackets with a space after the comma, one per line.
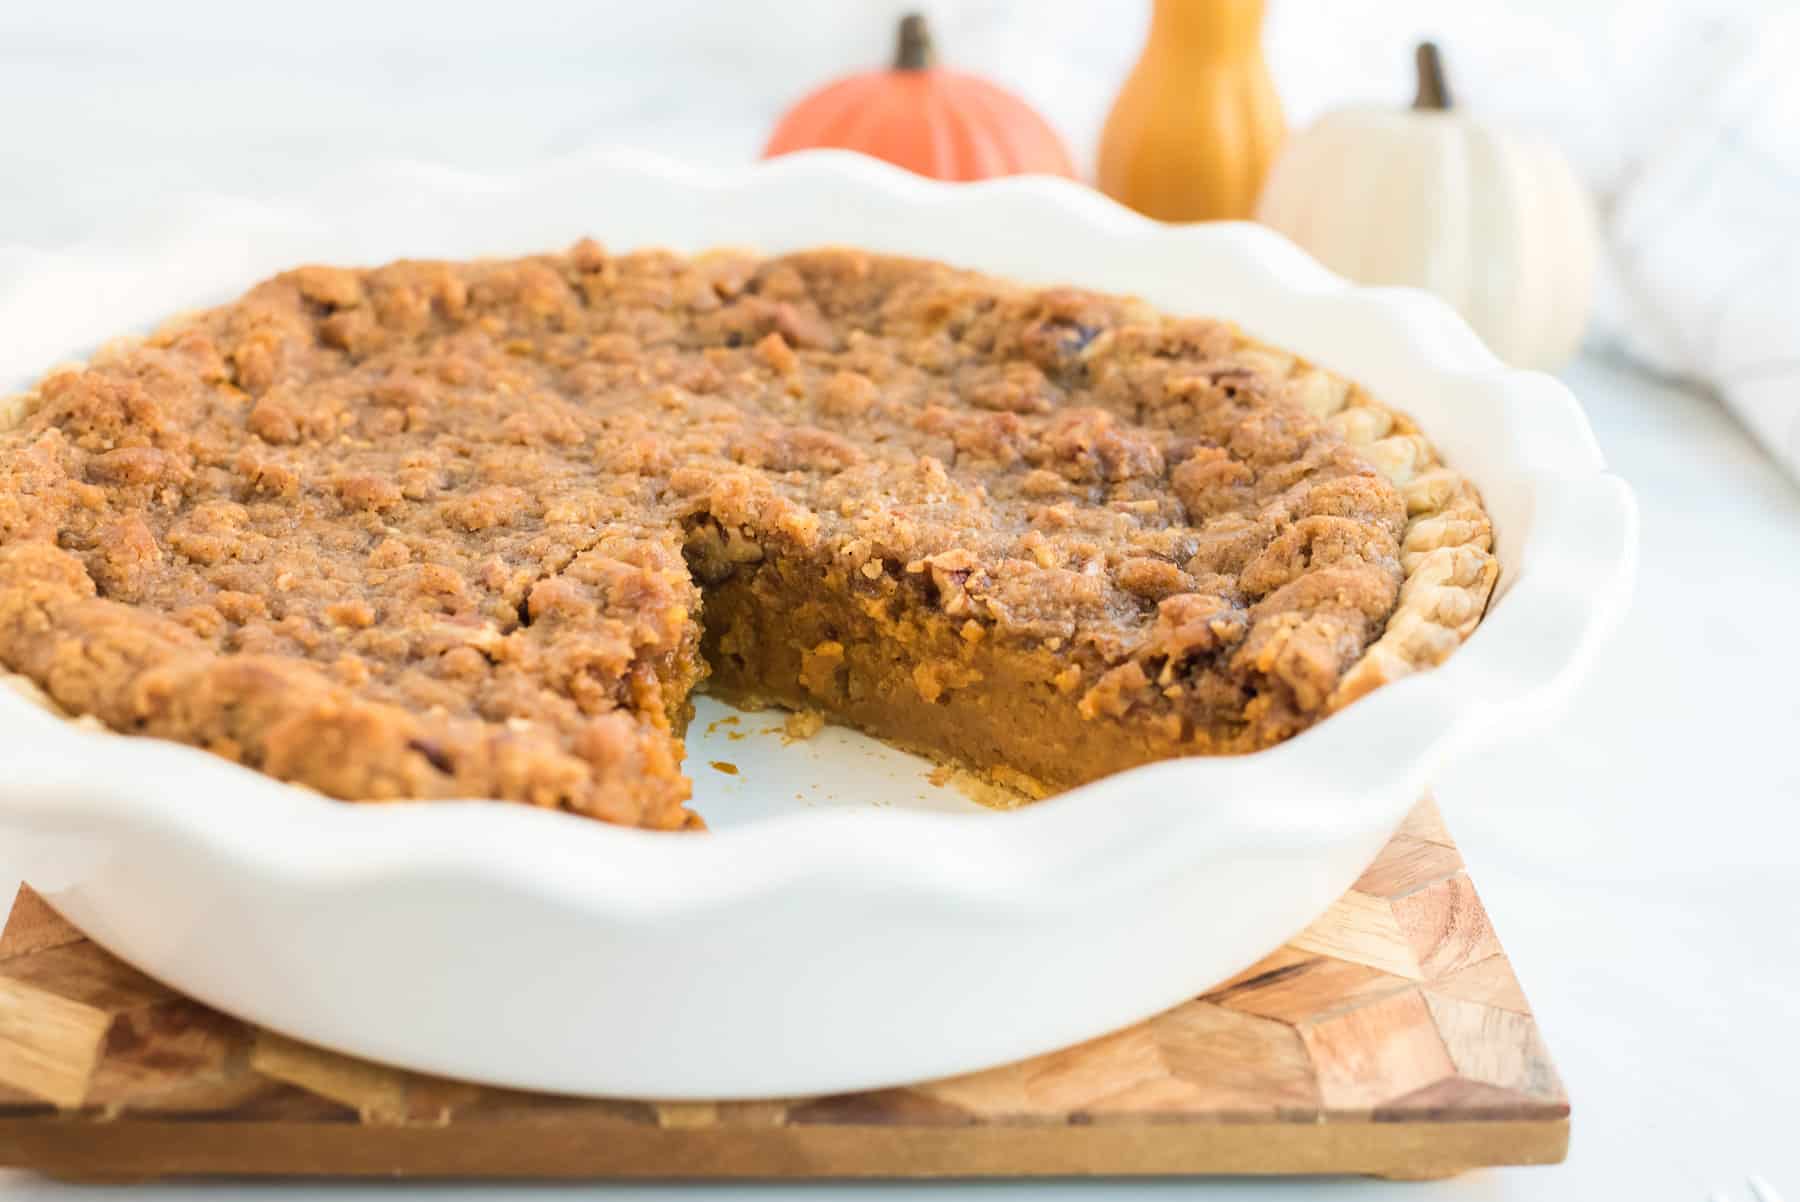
[438, 529]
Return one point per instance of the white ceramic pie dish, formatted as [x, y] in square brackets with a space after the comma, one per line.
[799, 948]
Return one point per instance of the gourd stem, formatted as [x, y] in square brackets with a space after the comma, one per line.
[1433, 93]
[914, 51]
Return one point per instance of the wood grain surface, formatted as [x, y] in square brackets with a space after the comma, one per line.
[1390, 1038]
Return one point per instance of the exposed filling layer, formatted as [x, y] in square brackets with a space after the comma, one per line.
[435, 530]
[783, 633]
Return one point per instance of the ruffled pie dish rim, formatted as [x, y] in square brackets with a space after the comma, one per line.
[1431, 712]
[1566, 544]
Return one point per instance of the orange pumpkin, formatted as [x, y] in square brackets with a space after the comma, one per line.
[927, 119]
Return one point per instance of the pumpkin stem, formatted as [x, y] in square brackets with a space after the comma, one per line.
[914, 51]
[1433, 94]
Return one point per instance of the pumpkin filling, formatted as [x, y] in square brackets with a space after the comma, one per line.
[480, 529]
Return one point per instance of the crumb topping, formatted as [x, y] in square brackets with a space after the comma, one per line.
[448, 529]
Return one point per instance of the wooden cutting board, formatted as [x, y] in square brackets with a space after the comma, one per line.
[1390, 1038]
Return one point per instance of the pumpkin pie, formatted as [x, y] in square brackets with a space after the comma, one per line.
[481, 529]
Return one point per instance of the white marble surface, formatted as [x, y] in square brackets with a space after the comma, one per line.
[1638, 858]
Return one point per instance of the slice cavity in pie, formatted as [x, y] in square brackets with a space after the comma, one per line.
[481, 529]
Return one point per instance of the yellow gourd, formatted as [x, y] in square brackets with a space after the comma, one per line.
[1197, 124]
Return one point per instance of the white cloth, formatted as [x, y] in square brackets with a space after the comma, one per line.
[1705, 239]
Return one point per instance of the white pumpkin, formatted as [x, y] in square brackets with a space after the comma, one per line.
[1495, 224]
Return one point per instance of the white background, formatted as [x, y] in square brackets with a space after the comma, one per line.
[1638, 859]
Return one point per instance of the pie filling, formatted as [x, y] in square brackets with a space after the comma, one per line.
[480, 529]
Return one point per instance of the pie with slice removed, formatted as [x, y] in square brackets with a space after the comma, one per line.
[481, 529]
